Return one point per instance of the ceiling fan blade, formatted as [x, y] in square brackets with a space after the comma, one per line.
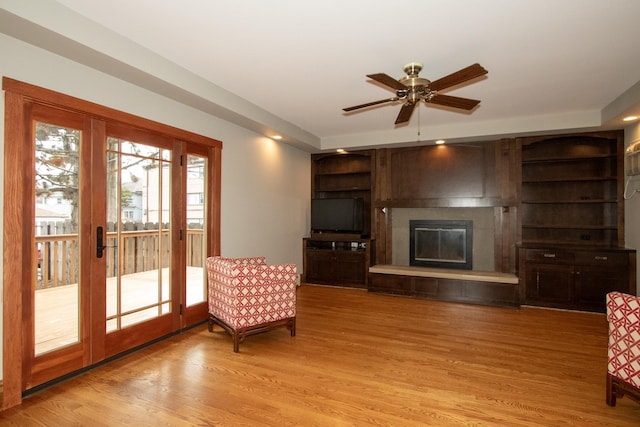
[405, 112]
[455, 102]
[471, 72]
[369, 104]
[387, 80]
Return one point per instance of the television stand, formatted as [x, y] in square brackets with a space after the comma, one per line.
[336, 236]
[337, 259]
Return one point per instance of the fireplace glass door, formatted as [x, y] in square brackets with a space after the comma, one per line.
[441, 243]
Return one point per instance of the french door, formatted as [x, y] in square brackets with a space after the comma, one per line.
[118, 233]
[56, 301]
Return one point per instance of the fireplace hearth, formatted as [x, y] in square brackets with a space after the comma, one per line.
[441, 243]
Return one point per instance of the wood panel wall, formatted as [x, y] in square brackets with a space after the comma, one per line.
[482, 174]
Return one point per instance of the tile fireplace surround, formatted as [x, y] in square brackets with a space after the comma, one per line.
[483, 232]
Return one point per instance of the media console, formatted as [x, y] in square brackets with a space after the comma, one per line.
[334, 259]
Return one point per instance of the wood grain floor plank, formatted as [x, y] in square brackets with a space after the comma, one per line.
[358, 359]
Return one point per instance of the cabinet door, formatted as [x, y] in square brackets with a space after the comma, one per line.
[350, 267]
[593, 284]
[321, 267]
[549, 283]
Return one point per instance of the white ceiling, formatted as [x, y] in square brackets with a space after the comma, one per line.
[553, 64]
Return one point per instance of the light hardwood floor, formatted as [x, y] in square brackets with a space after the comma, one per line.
[358, 359]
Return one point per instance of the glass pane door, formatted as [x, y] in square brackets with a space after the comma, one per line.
[196, 229]
[137, 235]
[56, 255]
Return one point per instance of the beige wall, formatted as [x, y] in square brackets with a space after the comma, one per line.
[265, 184]
[632, 204]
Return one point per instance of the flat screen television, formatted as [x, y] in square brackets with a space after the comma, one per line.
[337, 215]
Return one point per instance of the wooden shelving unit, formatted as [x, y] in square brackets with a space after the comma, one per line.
[572, 221]
[345, 175]
[571, 190]
[337, 259]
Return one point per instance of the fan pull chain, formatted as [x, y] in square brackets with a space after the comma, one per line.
[418, 140]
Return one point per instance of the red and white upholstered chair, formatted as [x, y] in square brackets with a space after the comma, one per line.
[623, 371]
[247, 296]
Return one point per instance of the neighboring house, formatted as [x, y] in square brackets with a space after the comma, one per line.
[47, 221]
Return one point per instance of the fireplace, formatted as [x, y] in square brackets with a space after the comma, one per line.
[441, 243]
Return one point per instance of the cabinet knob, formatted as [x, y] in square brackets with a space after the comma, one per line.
[601, 258]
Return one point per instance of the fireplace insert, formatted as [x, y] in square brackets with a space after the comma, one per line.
[441, 243]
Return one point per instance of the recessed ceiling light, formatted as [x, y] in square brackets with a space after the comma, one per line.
[340, 150]
[440, 141]
[276, 137]
[630, 118]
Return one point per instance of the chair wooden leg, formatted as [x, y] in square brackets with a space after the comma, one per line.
[236, 342]
[611, 397]
[211, 322]
[292, 326]
[614, 389]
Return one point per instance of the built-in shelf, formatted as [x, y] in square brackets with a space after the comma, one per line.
[571, 226]
[567, 159]
[573, 179]
[571, 189]
[568, 202]
[572, 221]
[341, 260]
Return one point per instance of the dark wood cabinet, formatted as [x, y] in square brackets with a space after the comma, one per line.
[337, 262]
[575, 278]
[549, 283]
[592, 283]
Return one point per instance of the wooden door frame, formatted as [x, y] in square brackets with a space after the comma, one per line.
[17, 96]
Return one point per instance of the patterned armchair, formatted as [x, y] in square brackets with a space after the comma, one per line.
[247, 296]
[623, 370]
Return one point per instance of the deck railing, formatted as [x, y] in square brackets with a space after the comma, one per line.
[142, 250]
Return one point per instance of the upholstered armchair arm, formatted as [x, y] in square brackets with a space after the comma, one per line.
[623, 350]
[623, 311]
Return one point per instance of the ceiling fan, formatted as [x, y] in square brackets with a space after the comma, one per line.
[411, 89]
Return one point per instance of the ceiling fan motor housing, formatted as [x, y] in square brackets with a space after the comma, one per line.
[413, 68]
[418, 86]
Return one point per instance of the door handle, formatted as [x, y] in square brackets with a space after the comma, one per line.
[99, 239]
[100, 246]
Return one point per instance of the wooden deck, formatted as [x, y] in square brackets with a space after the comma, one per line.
[357, 359]
[56, 308]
